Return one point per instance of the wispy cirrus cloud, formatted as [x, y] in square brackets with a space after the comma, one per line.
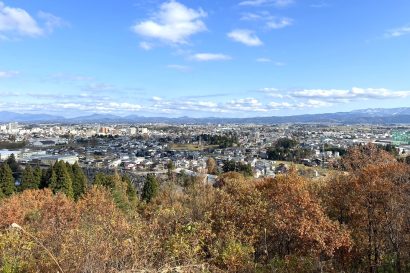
[245, 36]
[178, 67]
[258, 3]
[398, 32]
[345, 95]
[278, 23]
[52, 22]
[8, 74]
[206, 57]
[270, 21]
[174, 23]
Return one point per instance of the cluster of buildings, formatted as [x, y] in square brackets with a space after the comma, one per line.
[150, 147]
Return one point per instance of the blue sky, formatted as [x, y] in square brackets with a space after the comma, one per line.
[233, 58]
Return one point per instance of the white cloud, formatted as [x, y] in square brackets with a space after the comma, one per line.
[345, 95]
[397, 32]
[280, 105]
[174, 23]
[263, 60]
[16, 20]
[146, 46]
[101, 107]
[277, 23]
[257, 3]
[272, 92]
[51, 21]
[271, 21]
[8, 74]
[204, 57]
[178, 67]
[245, 36]
[99, 87]
[246, 104]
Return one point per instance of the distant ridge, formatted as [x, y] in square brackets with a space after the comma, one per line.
[363, 116]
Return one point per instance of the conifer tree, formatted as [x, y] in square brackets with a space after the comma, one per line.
[14, 166]
[37, 175]
[7, 182]
[46, 177]
[150, 189]
[60, 180]
[104, 180]
[79, 181]
[131, 191]
[28, 180]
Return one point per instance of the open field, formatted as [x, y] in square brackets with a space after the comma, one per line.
[191, 147]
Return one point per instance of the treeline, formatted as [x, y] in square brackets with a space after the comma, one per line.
[356, 220]
[239, 167]
[287, 149]
[12, 145]
[62, 178]
[223, 141]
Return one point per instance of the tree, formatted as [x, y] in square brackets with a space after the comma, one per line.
[211, 165]
[358, 157]
[7, 182]
[60, 180]
[151, 188]
[233, 166]
[131, 191]
[28, 180]
[104, 180]
[14, 166]
[373, 202]
[37, 175]
[80, 181]
[170, 169]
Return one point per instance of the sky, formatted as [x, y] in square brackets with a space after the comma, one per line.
[230, 58]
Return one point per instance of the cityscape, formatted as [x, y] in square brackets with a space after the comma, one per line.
[148, 148]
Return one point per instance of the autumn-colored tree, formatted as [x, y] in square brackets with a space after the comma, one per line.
[360, 156]
[211, 165]
[372, 201]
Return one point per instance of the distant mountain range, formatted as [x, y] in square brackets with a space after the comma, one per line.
[368, 116]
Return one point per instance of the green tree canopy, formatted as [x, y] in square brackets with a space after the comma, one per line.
[60, 180]
[28, 180]
[151, 188]
[7, 182]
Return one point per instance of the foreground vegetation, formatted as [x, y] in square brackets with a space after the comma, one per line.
[355, 221]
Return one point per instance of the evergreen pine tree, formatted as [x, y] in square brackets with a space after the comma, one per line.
[104, 180]
[37, 173]
[46, 177]
[28, 180]
[80, 181]
[150, 189]
[99, 179]
[7, 182]
[60, 180]
[131, 191]
[14, 166]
